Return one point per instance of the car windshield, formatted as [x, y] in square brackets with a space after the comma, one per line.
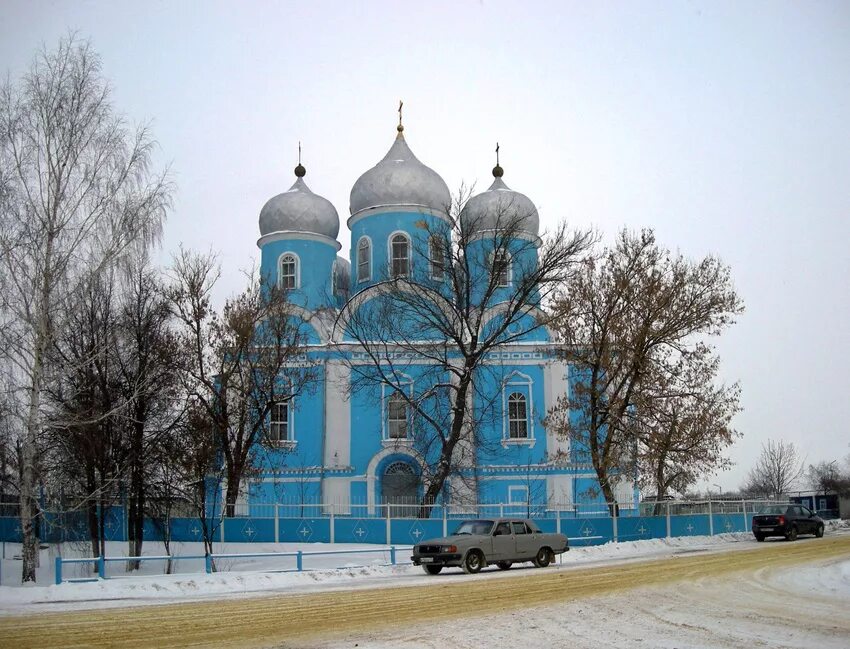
[474, 527]
[774, 509]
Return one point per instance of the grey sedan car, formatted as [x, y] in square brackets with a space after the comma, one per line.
[477, 543]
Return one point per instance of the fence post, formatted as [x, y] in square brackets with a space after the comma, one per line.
[389, 518]
[744, 507]
[710, 519]
[616, 511]
[501, 510]
[276, 524]
[668, 519]
[208, 563]
[333, 523]
[445, 519]
[299, 561]
[101, 567]
[58, 570]
[558, 520]
[392, 555]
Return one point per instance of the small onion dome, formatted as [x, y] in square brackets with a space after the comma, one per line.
[400, 179]
[299, 210]
[499, 206]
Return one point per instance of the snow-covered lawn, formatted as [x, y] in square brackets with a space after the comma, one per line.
[239, 577]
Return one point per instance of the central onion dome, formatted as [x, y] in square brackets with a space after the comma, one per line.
[400, 179]
[299, 210]
[499, 207]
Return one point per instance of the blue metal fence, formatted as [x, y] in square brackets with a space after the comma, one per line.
[356, 524]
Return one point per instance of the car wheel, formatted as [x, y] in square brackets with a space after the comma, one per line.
[473, 562]
[432, 570]
[819, 531]
[543, 558]
[759, 537]
[504, 565]
[791, 534]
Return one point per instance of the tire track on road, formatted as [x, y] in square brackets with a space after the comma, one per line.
[295, 620]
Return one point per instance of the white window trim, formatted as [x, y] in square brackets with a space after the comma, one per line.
[297, 270]
[368, 277]
[387, 391]
[517, 489]
[509, 271]
[290, 442]
[523, 382]
[392, 236]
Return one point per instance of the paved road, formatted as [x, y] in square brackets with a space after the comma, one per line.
[323, 618]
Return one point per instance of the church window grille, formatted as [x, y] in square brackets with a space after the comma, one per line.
[517, 416]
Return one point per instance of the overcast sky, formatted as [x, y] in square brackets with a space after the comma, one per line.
[723, 126]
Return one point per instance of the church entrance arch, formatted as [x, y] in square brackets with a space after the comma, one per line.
[400, 488]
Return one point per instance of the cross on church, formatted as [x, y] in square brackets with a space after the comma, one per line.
[690, 528]
[195, 530]
[249, 532]
[587, 531]
[360, 532]
[729, 526]
[642, 529]
[305, 532]
[417, 533]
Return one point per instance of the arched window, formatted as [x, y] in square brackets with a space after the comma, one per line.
[399, 256]
[517, 416]
[501, 268]
[397, 416]
[438, 257]
[288, 273]
[364, 260]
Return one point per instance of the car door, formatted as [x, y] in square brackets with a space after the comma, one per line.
[526, 543]
[809, 518]
[504, 546]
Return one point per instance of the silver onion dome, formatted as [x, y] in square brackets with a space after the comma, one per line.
[400, 179]
[299, 210]
[499, 207]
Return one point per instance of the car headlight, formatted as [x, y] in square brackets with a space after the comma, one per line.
[449, 548]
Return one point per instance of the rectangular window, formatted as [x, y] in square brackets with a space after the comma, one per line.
[279, 423]
[502, 268]
[517, 495]
[397, 417]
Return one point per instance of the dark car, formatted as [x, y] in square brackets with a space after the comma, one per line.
[503, 541]
[787, 521]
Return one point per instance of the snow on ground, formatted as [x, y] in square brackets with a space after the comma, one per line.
[240, 577]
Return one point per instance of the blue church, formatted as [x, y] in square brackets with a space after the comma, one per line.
[352, 443]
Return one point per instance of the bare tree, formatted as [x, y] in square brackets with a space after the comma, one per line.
[76, 193]
[682, 421]
[237, 365]
[623, 313]
[451, 308]
[777, 470]
[829, 477]
[149, 386]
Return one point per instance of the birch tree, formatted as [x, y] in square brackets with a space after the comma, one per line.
[77, 192]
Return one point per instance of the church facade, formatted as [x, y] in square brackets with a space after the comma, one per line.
[353, 446]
